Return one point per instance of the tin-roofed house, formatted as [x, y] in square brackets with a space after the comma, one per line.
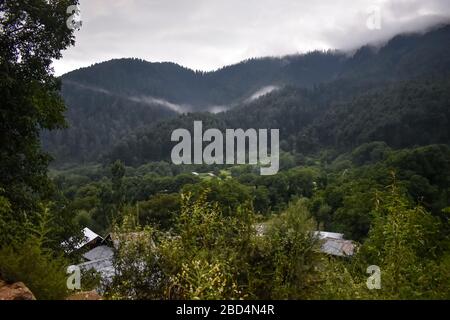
[96, 256]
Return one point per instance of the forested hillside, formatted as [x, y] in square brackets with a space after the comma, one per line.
[97, 119]
[404, 114]
[320, 90]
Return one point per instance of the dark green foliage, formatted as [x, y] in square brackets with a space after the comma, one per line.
[30, 259]
[347, 201]
[293, 253]
[160, 210]
[326, 100]
[34, 33]
[228, 194]
[401, 115]
[38, 268]
[97, 121]
[398, 115]
[404, 242]
[342, 193]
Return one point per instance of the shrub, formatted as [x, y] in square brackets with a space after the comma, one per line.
[42, 272]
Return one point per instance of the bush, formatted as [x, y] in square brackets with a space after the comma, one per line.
[43, 273]
[294, 252]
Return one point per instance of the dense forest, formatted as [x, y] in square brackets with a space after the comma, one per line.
[405, 114]
[365, 152]
[309, 88]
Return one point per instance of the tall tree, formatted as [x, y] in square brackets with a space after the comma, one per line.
[32, 34]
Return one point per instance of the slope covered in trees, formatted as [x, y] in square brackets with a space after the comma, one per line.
[96, 121]
[404, 114]
[318, 87]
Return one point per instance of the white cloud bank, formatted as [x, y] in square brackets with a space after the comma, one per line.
[208, 34]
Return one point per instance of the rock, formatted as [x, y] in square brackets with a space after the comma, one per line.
[87, 295]
[15, 291]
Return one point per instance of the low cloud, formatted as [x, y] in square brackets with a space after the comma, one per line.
[161, 102]
[151, 101]
[262, 92]
[206, 34]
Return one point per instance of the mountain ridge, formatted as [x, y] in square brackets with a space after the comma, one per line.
[157, 91]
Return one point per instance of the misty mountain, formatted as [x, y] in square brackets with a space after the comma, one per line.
[202, 91]
[110, 102]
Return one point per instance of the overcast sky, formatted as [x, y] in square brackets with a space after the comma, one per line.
[209, 34]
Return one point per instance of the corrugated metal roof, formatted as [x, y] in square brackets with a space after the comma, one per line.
[89, 236]
[104, 267]
[338, 247]
[331, 235]
[333, 243]
[99, 253]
